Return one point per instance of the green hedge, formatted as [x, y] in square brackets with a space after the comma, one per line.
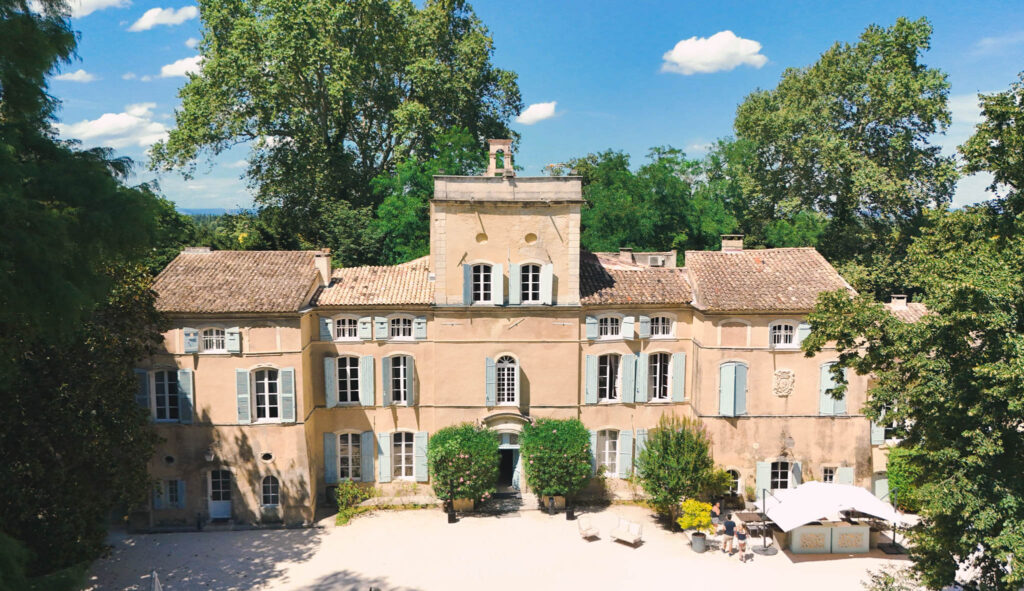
[556, 456]
[676, 464]
[903, 476]
[463, 462]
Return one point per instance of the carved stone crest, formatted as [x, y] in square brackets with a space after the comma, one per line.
[785, 379]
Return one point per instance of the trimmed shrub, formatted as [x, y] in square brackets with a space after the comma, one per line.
[556, 455]
[903, 476]
[676, 464]
[463, 462]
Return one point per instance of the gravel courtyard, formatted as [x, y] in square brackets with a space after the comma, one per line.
[418, 550]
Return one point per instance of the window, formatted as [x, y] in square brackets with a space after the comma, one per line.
[165, 390]
[348, 379]
[482, 284]
[399, 379]
[608, 451]
[608, 327]
[346, 328]
[530, 281]
[267, 401]
[349, 457]
[828, 474]
[783, 334]
[171, 493]
[889, 425]
[658, 376]
[213, 340]
[734, 482]
[780, 475]
[401, 455]
[507, 374]
[401, 328]
[271, 491]
[661, 326]
[608, 377]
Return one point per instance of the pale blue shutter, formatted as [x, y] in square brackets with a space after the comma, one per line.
[741, 389]
[331, 381]
[186, 396]
[515, 284]
[727, 389]
[419, 328]
[803, 330]
[366, 393]
[467, 285]
[625, 453]
[191, 340]
[287, 394]
[591, 380]
[628, 329]
[158, 495]
[384, 457]
[763, 478]
[181, 493]
[840, 406]
[410, 380]
[331, 458]
[380, 328]
[796, 474]
[419, 450]
[518, 470]
[242, 396]
[233, 340]
[678, 377]
[497, 285]
[490, 383]
[641, 443]
[643, 327]
[826, 404]
[591, 327]
[593, 452]
[325, 329]
[881, 486]
[547, 284]
[628, 378]
[642, 364]
[844, 475]
[142, 388]
[385, 380]
[877, 434]
[364, 328]
[367, 447]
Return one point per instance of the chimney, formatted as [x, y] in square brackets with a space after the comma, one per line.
[503, 147]
[732, 242]
[898, 302]
[626, 255]
[322, 261]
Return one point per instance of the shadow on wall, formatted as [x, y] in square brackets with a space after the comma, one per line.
[347, 579]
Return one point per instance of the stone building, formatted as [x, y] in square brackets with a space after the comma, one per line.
[281, 377]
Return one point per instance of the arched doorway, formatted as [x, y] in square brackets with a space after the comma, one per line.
[509, 426]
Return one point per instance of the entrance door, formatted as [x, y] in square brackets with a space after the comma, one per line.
[507, 467]
[220, 494]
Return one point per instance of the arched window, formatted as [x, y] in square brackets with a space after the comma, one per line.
[734, 482]
[608, 377]
[780, 475]
[401, 455]
[213, 340]
[608, 450]
[530, 283]
[165, 392]
[348, 379]
[482, 283]
[609, 327]
[346, 329]
[268, 403]
[401, 327]
[661, 326]
[271, 491]
[658, 377]
[507, 374]
[783, 335]
[349, 457]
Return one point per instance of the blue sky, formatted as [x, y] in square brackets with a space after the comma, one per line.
[602, 64]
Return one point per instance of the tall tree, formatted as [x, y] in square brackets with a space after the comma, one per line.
[329, 94]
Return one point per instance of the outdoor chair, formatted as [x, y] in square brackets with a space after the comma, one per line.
[628, 531]
[586, 528]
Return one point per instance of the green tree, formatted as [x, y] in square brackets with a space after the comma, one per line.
[329, 95]
[675, 463]
[463, 462]
[556, 456]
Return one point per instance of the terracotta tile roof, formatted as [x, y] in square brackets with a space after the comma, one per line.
[607, 280]
[406, 284]
[236, 281]
[778, 279]
[907, 312]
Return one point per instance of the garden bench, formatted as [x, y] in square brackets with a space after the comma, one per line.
[628, 531]
[586, 528]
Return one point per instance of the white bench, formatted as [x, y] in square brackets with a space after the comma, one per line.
[628, 531]
[586, 528]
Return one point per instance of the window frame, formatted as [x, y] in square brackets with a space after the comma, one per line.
[354, 460]
[735, 484]
[254, 384]
[610, 320]
[170, 487]
[531, 287]
[405, 321]
[787, 472]
[400, 383]
[355, 327]
[275, 483]
[781, 325]
[408, 453]
[477, 288]
[888, 427]
[613, 385]
[671, 328]
[609, 449]
[353, 393]
[828, 474]
[666, 385]
[498, 367]
[223, 339]
[153, 395]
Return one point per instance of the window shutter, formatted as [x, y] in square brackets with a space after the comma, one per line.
[593, 452]
[490, 383]
[641, 443]
[877, 434]
[591, 327]
[158, 495]
[643, 327]
[325, 329]
[287, 394]
[727, 390]
[419, 328]
[367, 447]
[233, 340]
[591, 380]
[840, 406]
[741, 389]
[763, 478]
[796, 474]
[547, 284]
[826, 404]
[191, 340]
[181, 493]
[142, 388]
[625, 453]
[803, 330]
[515, 284]
[642, 365]
[366, 393]
[628, 378]
[364, 328]
[419, 450]
[881, 486]
[385, 381]
[497, 285]
[331, 458]
[331, 381]
[384, 457]
[467, 285]
[186, 398]
[628, 330]
[844, 475]
[242, 396]
[678, 377]
[410, 380]
[380, 328]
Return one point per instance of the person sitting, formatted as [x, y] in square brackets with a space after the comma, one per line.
[716, 513]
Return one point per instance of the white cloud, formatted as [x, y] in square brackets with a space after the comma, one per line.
[703, 55]
[191, 42]
[698, 147]
[128, 76]
[239, 164]
[182, 68]
[76, 76]
[132, 127]
[537, 112]
[164, 16]
[989, 45]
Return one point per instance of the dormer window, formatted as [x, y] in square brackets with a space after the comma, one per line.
[609, 327]
[783, 335]
[482, 284]
[213, 340]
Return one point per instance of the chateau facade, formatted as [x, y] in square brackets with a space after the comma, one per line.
[280, 377]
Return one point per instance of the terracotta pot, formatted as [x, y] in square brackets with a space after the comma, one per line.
[463, 505]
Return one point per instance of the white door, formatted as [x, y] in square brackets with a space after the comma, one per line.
[220, 494]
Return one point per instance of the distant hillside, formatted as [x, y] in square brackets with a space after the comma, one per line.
[207, 211]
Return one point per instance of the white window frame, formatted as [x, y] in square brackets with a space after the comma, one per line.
[167, 396]
[352, 361]
[828, 474]
[508, 363]
[402, 321]
[735, 484]
[275, 484]
[254, 385]
[223, 339]
[407, 456]
[652, 383]
[779, 327]
[399, 378]
[887, 426]
[611, 386]
[608, 453]
[354, 460]
[776, 468]
[529, 290]
[610, 323]
[670, 329]
[170, 494]
[480, 296]
[335, 333]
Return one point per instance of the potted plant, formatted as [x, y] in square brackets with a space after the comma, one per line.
[463, 461]
[696, 515]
